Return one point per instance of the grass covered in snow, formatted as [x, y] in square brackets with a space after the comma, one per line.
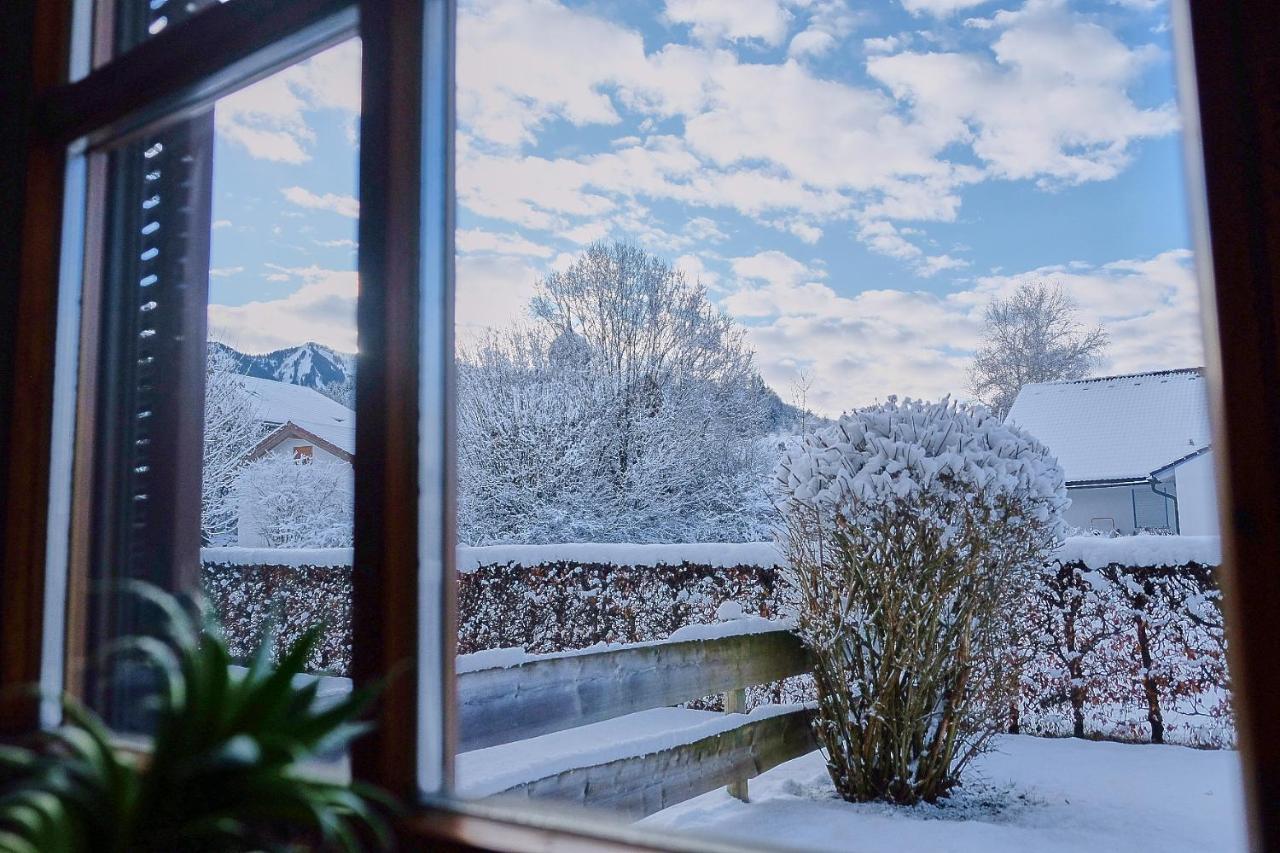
[1026, 794]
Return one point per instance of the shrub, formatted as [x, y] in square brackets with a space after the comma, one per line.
[297, 503]
[911, 529]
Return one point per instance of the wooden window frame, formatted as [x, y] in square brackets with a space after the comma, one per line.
[1228, 63]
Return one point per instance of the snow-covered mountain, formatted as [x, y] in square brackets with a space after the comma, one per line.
[311, 365]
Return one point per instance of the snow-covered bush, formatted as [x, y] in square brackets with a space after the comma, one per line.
[297, 503]
[911, 529]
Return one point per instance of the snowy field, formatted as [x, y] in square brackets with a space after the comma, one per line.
[1027, 794]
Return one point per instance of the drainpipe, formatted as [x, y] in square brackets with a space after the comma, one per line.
[1177, 527]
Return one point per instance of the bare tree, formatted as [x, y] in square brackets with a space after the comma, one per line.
[800, 387]
[231, 429]
[1032, 336]
[629, 411]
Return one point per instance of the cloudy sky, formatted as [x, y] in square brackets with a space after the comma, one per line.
[852, 179]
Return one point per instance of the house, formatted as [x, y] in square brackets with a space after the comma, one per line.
[300, 423]
[1135, 449]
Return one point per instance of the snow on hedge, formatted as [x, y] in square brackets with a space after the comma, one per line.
[718, 554]
[295, 557]
[1094, 551]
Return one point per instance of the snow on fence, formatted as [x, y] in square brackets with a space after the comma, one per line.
[1118, 622]
[535, 696]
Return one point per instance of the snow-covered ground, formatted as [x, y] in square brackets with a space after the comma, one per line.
[1027, 794]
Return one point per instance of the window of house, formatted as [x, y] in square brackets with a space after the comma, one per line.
[642, 334]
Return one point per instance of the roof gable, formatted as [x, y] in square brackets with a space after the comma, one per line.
[278, 403]
[1117, 427]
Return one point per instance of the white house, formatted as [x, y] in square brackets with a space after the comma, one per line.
[1135, 449]
[301, 423]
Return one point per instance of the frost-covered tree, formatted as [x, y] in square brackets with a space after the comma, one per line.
[911, 530]
[295, 503]
[1032, 336]
[629, 411]
[231, 429]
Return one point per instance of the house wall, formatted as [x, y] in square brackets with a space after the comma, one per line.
[285, 448]
[1112, 508]
[1197, 497]
[1094, 508]
[248, 534]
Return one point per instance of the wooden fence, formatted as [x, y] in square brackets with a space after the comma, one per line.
[508, 704]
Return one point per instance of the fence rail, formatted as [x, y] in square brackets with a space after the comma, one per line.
[508, 704]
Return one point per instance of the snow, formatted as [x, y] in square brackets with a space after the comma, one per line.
[1094, 551]
[718, 554]
[484, 772]
[1097, 552]
[1027, 794]
[279, 402]
[293, 557]
[895, 452]
[1120, 427]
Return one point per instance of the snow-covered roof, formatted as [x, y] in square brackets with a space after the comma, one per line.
[1117, 427]
[280, 402]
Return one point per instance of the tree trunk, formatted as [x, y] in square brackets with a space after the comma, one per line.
[1154, 715]
[1074, 670]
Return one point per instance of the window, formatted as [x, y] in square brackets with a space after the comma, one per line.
[103, 423]
[303, 453]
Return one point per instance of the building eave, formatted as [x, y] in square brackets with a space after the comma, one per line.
[289, 430]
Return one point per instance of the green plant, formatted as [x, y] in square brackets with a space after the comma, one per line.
[224, 769]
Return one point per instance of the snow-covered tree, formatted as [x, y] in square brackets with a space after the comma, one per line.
[1032, 336]
[231, 429]
[298, 503]
[911, 530]
[629, 411]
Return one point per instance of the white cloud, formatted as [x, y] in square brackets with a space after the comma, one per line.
[694, 267]
[939, 8]
[885, 238]
[221, 223]
[336, 244]
[343, 205]
[830, 21]
[492, 292]
[735, 20]
[267, 118]
[527, 61]
[588, 232]
[1048, 101]
[479, 240]
[225, 272]
[863, 347]
[322, 309]
[811, 43]
[886, 44]
[704, 229]
[1038, 109]
[808, 233]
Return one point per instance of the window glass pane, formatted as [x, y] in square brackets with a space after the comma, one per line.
[124, 24]
[710, 259]
[218, 420]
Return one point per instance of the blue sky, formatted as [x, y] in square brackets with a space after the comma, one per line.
[852, 181]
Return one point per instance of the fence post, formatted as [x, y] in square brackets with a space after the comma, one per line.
[735, 702]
